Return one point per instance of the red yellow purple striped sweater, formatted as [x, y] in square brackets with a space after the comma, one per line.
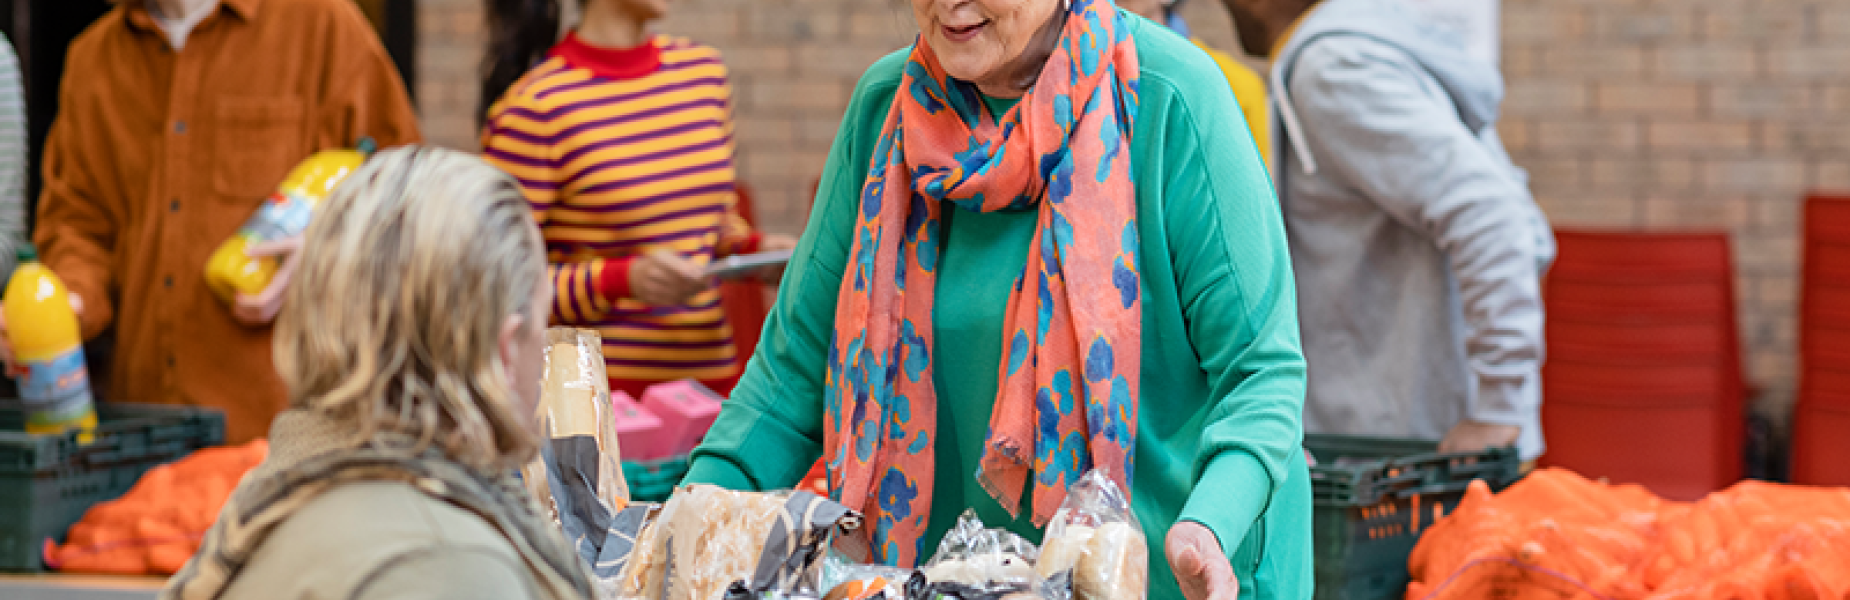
[621, 152]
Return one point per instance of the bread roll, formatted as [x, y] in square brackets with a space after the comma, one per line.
[1063, 548]
[1114, 566]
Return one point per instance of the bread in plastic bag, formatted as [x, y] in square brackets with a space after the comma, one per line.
[846, 580]
[706, 538]
[972, 554]
[1095, 535]
[578, 477]
[977, 563]
[920, 587]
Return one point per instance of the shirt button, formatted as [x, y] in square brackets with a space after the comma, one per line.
[170, 361]
[168, 282]
[173, 206]
[179, 126]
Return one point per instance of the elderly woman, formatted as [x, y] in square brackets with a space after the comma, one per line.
[1043, 243]
[412, 346]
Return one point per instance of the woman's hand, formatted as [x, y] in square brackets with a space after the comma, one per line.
[776, 241]
[260, 309]
[1201, 567]
[1477, 436]
[663, 278]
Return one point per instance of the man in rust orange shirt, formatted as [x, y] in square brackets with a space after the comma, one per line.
[176, 119]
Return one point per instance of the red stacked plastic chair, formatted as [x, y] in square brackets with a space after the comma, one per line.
[1821, 416]
[1643, 381]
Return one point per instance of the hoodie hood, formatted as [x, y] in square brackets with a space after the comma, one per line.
[1475, 87]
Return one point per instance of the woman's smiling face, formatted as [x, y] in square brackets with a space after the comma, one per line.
[982, 41]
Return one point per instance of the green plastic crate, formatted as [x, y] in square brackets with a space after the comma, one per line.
[1374, 496]
[654, 481]
[48, 481]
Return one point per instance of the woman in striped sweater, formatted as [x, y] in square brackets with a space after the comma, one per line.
[622, 142]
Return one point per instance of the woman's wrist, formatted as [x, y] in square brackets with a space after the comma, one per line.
[613, 283]
[1232, 494]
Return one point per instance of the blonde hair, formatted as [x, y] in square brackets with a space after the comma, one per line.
[407, 276]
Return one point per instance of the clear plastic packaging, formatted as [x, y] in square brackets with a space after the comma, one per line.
[922, 588]
[972, 554]
[706, 539]
[578, 478]
[846, 580]
[1095, 535]
[977, 563]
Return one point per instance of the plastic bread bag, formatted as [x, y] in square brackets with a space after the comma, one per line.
[578, 478]
[976, 563]
[920, 587]
[972, 554]
[1096, 537]
[846, 580]
[707, 538]
[623, 539]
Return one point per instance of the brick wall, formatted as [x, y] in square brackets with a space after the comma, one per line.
[451, 40]
[794, 64]
[1688, 114]
[1646, 113]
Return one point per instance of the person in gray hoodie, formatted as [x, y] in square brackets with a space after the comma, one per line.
[1417, 247]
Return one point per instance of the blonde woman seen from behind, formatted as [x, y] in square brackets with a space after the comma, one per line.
[411, 345]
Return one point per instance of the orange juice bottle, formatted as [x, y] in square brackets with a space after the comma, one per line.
[47, 343]
[231, 270]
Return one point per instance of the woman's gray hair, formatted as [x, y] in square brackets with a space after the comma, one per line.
[408, 274]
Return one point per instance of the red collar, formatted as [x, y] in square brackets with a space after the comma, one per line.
[610, 63]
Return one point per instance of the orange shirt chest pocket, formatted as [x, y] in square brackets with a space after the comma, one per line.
[256, 141]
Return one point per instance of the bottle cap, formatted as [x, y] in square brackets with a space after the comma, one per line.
[27, 253]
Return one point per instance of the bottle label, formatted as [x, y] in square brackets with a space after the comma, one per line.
[57, 385]
[280, 217]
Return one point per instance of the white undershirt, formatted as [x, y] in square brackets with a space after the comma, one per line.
[177, 28]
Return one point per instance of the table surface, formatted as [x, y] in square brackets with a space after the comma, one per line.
[62, 586]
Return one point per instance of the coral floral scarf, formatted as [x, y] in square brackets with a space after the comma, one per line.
[1069, 378]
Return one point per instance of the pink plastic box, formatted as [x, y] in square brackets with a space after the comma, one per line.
[687, 410]
[641, 434]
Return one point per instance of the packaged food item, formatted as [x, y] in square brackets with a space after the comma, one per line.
[578, 479]
[285, 214]
[977, 563]
[707, 538]
[972, 554]
[845, 580]
[877, 587]
[48, 346]
[1096, 537]
[624, 536]
[921, 587]
[647, 564]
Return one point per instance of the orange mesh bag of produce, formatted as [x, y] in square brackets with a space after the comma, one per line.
[1556, 535]
[1551, 535]
[1755, 540]
[157, 525]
